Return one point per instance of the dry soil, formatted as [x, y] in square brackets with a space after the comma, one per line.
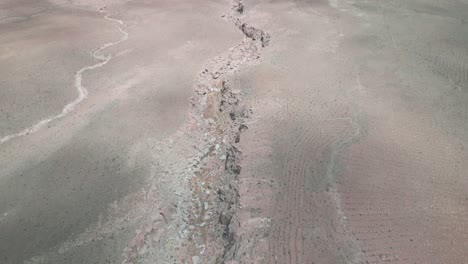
[254, 131]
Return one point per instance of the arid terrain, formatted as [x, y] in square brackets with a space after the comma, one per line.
[228, 131]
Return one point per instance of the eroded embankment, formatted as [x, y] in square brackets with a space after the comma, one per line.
[199, 185]
[220, 116]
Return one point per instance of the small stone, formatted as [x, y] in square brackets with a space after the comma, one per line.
[191, 227]
[223, 157]
[206, 151]
[205, 205]
[181, 235]
[225, 218]
[195, 260]
[217, 146]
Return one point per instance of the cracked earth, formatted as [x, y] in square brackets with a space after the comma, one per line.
[233, 131]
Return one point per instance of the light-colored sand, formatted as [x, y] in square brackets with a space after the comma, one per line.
[318, 132]
[357, 148]
[77, 189]
[78, 83]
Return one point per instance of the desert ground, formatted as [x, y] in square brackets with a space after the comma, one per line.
[227, 131]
